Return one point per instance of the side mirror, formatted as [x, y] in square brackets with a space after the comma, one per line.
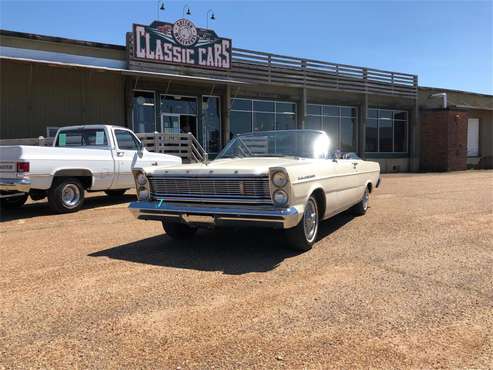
[140, 149]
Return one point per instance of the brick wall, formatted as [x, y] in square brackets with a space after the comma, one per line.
[443, 140]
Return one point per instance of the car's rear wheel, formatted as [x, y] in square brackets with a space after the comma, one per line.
[361, 208]
[13, 202]
[178, 230]
[115, 192]
[303, 236]
[66, 195]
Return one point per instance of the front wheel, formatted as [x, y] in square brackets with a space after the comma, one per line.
[177, 230]
[13, 202]
[303, 236]
[66, 195]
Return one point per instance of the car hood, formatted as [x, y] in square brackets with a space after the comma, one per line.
[230, 166]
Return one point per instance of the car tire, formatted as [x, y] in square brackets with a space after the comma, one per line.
[361, 208]
[66, 195]
[178, 230]
[304, 235]
[13, 202]
[115, 192]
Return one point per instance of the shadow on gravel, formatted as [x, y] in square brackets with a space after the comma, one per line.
[232, 251]
[42, 209]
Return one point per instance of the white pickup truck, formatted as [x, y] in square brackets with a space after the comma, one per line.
[90, 157]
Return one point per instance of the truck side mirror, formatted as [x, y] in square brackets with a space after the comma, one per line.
[140, 149]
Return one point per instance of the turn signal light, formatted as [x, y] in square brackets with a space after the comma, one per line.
[22, 166]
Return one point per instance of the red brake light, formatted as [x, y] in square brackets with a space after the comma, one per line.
[22, 166]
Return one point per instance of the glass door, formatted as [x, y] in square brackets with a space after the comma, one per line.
[170, 123]
[211, 124]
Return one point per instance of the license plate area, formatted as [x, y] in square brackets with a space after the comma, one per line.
[199, 219]
[7, 167]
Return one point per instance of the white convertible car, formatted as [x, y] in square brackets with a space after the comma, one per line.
[280, 179]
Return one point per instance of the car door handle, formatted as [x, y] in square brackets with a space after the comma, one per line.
[120, 154]
[355, 164]
[154, 164]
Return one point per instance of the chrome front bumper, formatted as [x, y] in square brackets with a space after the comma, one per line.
[201, 215]
[14, 186]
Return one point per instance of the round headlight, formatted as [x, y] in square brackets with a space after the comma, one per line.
[280, 198]
[141, 179]
[143, 194]
[279, 179]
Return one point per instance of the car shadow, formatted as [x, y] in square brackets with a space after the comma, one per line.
[41, 208]
[231, 251]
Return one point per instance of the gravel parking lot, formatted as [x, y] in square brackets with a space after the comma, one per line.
[408, 285]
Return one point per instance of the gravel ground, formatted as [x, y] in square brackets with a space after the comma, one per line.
[409, 285]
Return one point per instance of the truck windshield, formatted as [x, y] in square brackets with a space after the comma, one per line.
[282, 143]
[93, 137]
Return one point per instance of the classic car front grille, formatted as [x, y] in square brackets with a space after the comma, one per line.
[215, 189]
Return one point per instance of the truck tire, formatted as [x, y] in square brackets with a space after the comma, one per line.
[361, 208]
[66, 195]
[115, 192]
[177, 230]
[302, 237]
[13, 202]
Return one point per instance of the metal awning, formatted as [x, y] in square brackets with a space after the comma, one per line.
[129, 72]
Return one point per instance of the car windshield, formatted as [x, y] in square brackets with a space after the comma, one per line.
[287, 143]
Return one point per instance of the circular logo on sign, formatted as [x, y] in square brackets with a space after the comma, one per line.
[185, 33]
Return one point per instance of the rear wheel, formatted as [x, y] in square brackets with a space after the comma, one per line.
[177, 230]
[115, 192]
[13, 202]
[361, 208]
[303, 236]
[66, 195]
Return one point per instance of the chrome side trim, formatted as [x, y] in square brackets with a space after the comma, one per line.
[270, 217]
[19, 185]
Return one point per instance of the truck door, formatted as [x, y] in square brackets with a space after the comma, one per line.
[125, 154]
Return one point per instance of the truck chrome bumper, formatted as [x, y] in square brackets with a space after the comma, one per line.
[284, 218]
[15, 185]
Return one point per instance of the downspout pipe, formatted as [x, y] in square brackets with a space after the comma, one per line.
[444, 98]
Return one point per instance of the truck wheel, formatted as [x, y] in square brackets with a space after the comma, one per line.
[66, 195]
[361, 208]
[303, 236]
[177, 230]
[13, 202]
[115, 192]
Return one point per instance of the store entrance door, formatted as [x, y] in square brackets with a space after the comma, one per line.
[175, 123]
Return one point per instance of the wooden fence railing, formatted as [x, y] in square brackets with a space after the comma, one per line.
[185, 146]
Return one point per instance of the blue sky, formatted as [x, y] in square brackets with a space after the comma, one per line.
[448, 44]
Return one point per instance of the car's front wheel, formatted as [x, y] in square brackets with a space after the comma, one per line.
[178, 230]
[13, 202]
[303, 236]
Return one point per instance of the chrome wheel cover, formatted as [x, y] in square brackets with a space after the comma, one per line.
[70, 196]
[366, 197]
[310, 220]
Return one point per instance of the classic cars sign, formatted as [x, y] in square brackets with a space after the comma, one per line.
[181, 43]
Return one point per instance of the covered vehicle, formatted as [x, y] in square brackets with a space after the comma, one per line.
[289, 180]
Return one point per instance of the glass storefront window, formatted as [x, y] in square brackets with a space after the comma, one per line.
[347, 134]
[143, 111]
[263, 121]
[211, 124]
[338, 122]
[261, 115]
[385, 134]
[387, 131]
[240, 122]
[372, 135]
[178, 104]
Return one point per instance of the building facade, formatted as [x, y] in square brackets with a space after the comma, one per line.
[179, 78]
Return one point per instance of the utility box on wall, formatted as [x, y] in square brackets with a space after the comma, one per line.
[443, 140]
